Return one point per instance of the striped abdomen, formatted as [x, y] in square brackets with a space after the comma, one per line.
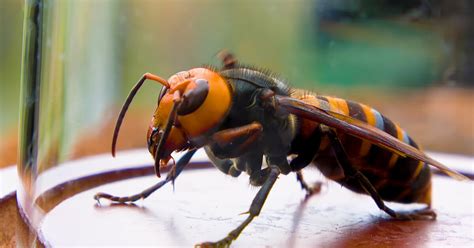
[399, 179]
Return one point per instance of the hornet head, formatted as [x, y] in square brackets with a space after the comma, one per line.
[190, 106]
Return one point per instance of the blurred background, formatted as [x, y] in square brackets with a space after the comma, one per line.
[411, 59]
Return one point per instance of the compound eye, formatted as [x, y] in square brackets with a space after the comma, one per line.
[194, 98]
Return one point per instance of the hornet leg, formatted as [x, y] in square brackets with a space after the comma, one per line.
[250, 132]
[310, 189]
[308, 153]
[172, 175]
[225, 165]
[254, 211]
[351, 172]
[233, 142]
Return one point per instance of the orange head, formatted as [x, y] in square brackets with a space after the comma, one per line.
[191, 104]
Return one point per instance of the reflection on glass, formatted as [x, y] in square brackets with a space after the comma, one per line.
[65, 91]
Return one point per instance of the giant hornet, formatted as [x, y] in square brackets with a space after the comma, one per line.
[242, 115]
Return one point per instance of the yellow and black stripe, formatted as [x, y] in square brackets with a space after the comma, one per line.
[396, 178]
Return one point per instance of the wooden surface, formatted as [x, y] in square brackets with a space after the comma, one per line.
[8, 217]
[8, 206]
[206, 204]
